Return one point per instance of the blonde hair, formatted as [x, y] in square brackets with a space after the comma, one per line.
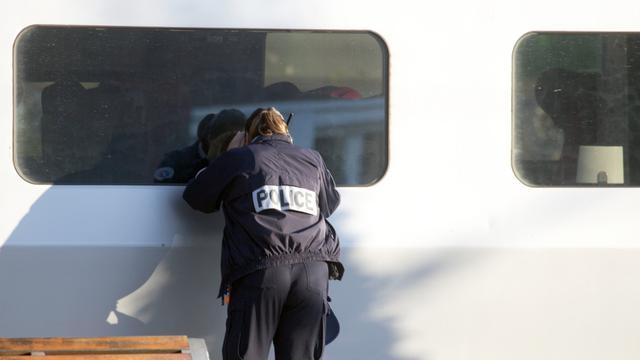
[265, 122]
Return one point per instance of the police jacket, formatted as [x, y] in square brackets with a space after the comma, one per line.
[275, 197]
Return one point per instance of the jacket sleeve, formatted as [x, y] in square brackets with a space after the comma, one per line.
[206, 190]
[329, 198]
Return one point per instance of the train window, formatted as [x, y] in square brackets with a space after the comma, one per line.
[576, 109]
[117, 105]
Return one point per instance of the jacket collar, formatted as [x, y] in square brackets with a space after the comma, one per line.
[275, 137]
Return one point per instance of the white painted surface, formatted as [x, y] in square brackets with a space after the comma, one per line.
[449, 256]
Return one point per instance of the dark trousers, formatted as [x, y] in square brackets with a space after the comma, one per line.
[285, 305]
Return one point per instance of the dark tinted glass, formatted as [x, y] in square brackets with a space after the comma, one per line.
[576, 104]
[124, 105]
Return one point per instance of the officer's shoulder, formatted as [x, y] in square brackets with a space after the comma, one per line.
[236, 156]
[311, 153]
[239, 152]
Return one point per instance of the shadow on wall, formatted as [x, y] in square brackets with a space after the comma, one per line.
[362, 336]
[80, 290]
[364, 300]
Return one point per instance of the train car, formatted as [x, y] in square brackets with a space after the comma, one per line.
[487, 156]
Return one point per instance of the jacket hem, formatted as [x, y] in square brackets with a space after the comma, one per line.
[279, 260]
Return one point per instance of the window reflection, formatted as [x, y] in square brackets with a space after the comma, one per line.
[111, 105]
[576, 109]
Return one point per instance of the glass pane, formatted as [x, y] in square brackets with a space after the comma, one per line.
[577, 109]
[123, 105]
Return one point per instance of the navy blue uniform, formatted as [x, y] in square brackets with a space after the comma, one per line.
[276, 245]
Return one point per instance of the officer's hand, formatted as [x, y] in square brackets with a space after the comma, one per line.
[237, 141]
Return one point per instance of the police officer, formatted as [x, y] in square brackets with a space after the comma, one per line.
[278, 250]
[179, 166]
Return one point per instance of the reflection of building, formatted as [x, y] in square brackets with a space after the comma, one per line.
[350, 134]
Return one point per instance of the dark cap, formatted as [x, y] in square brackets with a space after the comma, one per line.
[204, 125]
[226, 120]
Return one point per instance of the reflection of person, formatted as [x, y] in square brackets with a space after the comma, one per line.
[77, 127]
[179, 166]
[278, 250]
[575, 103]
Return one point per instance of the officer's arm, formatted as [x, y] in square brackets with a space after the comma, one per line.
[204, 192]
[329, 197]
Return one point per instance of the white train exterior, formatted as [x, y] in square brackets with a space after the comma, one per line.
[448, 256]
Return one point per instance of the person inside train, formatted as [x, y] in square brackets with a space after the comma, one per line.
[574, 100]
[213, 135]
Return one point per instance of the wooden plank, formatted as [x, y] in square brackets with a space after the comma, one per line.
[134, 344]
[101, 357]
